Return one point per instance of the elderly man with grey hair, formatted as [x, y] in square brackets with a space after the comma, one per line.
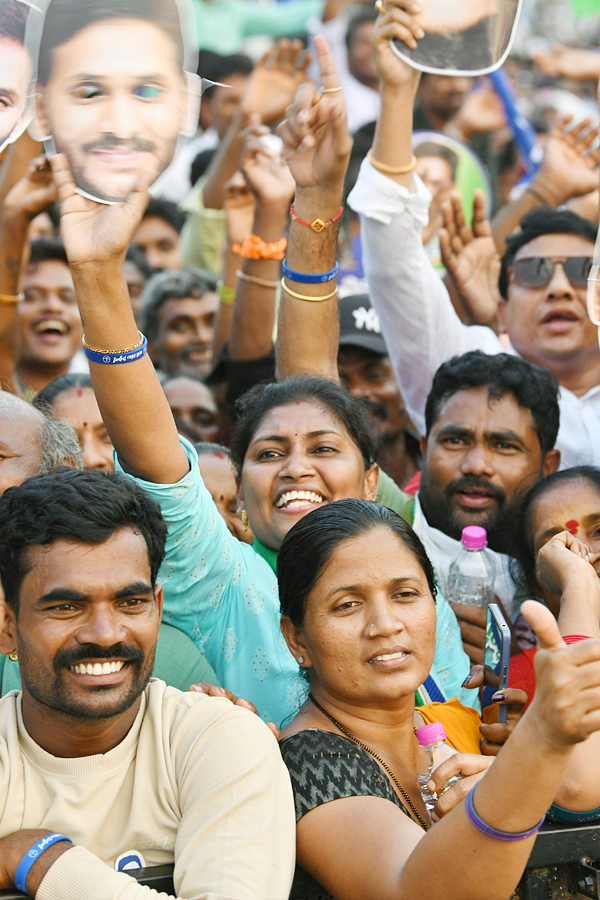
[32, 443]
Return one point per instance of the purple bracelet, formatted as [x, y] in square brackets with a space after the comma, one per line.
[486, 829]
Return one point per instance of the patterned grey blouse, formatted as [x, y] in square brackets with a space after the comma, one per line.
[323, 767]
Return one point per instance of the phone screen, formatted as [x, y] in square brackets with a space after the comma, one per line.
[497, 653]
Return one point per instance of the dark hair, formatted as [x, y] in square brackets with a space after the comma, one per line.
[13, 20]
[310, 543]
[541, 221]
[533, 387]
[65, 18]
[200, 164]
[216, 67]
[137, 257]
[253, 406]
[167, 211]
[48, 395]
[206, 448]
[47, 248]
[432, 148]
[73, 505]
[524, 547]
[367, 14]
[164, 286]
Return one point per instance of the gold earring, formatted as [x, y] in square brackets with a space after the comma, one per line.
[244, 518]
[13, 655]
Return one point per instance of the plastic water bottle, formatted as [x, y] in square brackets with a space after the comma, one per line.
[471, 576]
[432, 739]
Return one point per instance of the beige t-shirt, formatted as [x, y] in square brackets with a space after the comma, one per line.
[196, 781]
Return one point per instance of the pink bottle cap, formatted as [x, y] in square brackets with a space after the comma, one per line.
[473, 537]
[431, 734]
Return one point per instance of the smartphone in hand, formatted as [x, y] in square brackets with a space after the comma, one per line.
[496, 659]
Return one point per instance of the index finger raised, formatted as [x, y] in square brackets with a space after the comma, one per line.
[329, 76]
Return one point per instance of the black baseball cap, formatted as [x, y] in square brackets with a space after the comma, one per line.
[359, 324]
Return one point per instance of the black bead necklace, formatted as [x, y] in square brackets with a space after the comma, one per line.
[372, 753]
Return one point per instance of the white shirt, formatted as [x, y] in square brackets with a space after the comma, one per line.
[419, 323]
[442, 550]
[177, 183]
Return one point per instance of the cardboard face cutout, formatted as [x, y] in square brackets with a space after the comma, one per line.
[15, 71]
[469, 37]
[115, 88]
[463, 167]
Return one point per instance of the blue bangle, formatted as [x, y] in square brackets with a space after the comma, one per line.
[486, 829]
[108, 358]
[32, 855]
[306, 278]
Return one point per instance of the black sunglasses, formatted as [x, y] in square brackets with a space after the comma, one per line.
[537, 271]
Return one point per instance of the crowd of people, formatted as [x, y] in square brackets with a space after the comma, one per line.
[248, 406]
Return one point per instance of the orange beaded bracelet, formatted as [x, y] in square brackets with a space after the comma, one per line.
[253, 247]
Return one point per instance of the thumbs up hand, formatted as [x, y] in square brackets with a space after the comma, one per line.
[567, 697]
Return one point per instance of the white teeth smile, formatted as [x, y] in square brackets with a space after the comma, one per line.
[298, 498]
[106, 668]
[386, 656]
[50, 325]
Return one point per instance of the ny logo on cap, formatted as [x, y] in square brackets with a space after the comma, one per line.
[366, 318]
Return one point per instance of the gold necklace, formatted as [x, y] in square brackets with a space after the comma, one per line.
[372, 753]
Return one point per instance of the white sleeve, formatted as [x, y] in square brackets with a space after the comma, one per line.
[418, 321]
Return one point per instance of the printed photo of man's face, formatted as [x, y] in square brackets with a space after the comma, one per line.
[111, 90]
[15, 70]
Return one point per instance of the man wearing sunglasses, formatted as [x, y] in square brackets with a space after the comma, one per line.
[542, 307]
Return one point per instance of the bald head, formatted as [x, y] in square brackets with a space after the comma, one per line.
[31, 443]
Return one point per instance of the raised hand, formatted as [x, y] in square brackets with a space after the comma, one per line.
[396, 21]
[470, 256]
[274, 81]
[563, 558]
[314, 132]
[265, 169]
[570, 164]
[566, 705]
[95, 232]
[33, 194]
[239, 204]
[568, 62]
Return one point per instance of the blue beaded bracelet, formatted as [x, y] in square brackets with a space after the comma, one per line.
[306, 278]
[32, 855]
[108, 358]
[486, 829]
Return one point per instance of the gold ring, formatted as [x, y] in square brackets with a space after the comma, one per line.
[379, 6]
[330, 90]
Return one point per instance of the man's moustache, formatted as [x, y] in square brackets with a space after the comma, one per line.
[110, 142]
[377, 409]
[92, 651]
[474, 484]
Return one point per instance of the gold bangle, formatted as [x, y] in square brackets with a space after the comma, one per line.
[388, 170]
[304, 296]
[227, 295]
[10, 299]
[252, 279]
[124, 350]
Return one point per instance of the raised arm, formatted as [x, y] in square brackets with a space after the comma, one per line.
[269, 90]
[31, 195]
[569, 169]
[421, 328]
[271, 183]
[565, 566]
[131, 400]
[317, 149]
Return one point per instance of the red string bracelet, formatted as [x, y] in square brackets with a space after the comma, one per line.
[574, 638]
[318, 225]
